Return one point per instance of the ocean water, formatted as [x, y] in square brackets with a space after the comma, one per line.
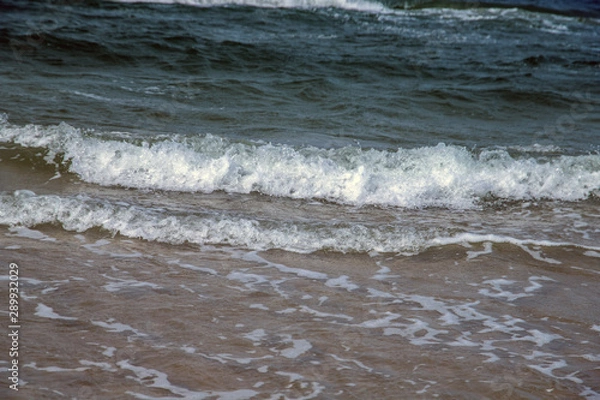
[297, 199]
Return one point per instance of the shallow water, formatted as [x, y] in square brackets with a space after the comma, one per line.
[108, 317]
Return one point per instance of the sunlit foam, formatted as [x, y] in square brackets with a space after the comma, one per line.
[439, 176]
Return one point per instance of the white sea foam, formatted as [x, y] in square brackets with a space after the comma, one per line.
[549, 369]
[44, 311]
[463, 238]
[320, 314]
[358, 5]
[256, 336]
[21, 231]
[440, 176]
[148, 377]
[418, 333]
[539, 338]
[299, 346]
[102, 365]
[194, 268]
[80, 213]
[499, 292]
[223, 358]
[487, 250]
[33, 365]
[117, 327]
[117, 284]
[341, 282]
[108, 351]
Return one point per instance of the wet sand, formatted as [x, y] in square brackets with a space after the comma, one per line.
[112, 318]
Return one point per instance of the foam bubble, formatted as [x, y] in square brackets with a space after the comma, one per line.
[21, 231]
[44, 311]
[33, 365]
[592, 253]
[299, 347]
[117, 327]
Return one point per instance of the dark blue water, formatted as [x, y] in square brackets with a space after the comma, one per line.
[330, 73]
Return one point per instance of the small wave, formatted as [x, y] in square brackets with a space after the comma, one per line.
[466, 237]
[570, 9]
[357, 5]
[439, 176]
[205, 227]
[81, 213]
[584, 8]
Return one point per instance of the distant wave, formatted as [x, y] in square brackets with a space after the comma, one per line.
[359, 5]
[573, 8]
[439, 176]
[582, 8]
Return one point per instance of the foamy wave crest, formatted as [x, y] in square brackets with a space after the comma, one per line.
[25, 208]
[81, 213]
[440, 176]
[358, 5]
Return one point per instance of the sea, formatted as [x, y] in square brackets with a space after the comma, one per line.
[300, 199]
